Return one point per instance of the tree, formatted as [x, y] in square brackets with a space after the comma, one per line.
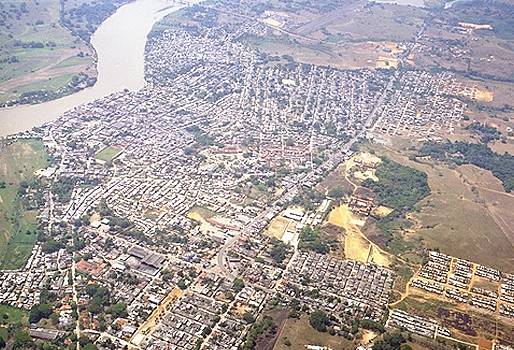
[319, 321]
[166, 275]
[54, 318]
[238, 284]
[390, 341]
[278, 251]
[182, 284]
[52, 246]
[336, 193]
[38, 312]
[119, 310]
[248, 317]
[22, 340]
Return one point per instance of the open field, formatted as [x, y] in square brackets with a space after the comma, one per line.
[336, 179]
[344, 55]
[466, 323]
[20, 244]
[12, 314]
[300, 333]
[200, 214]
[351, 35]
[472, 37]
[356, 245]
[18, 162]
[278, 226]
[108, 153]
[376, 22]
[34, 47]
[460, 216]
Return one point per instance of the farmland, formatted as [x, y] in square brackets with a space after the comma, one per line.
[37, 52]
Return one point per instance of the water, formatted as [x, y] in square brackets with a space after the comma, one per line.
[120, 43]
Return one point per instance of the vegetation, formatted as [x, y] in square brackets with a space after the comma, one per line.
[308, 198]
[32, 41]
[20, 193]
[257, 329]
[12, 315]
[238, 284]
[336, 193]
[392, 341]
[108, 153]
[501, 165]
[200, 136]
[310, 239]
[84, 17]
[63, 188]
[319, 320]
[100, 297]
[119, 310]
[372, 325]
[400, 187]
[51, 246]
[39, 311]
[486, 133]
[279, 251]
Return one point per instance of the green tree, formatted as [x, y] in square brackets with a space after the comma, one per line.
[38, 312]
[119, 310]
[22, 340]
[319, 321]
[248, 317]
[238, 284]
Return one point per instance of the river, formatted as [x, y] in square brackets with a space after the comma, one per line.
[119, 43]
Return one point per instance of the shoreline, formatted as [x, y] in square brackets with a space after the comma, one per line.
[121, 41]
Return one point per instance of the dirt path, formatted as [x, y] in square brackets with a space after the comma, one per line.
[150, 323]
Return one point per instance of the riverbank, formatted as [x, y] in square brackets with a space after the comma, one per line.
[119, 43]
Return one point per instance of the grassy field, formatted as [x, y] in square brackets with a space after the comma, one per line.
[108, 153]
[50, 84]
[489, 51]
[36, 49]
[348, 35]
[9, 316]
[466, 215]
[278, 227]
[13, 315]
[300, 333]
[379, 22]
[18, 162]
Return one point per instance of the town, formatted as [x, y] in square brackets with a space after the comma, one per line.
[156, 200]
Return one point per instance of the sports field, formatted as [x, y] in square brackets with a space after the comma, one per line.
[108, 153]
